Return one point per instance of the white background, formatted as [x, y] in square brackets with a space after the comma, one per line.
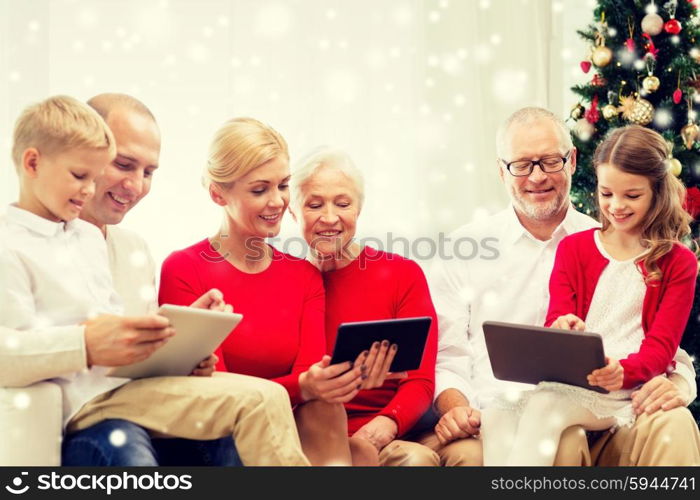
[413, 90]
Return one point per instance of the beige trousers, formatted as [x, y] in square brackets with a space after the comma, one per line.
[662, 438]
[255, 411]
[400, 453]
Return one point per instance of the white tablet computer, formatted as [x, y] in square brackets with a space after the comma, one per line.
[198, 333]
[533, 354]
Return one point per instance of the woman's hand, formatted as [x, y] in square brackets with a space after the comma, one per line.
[379, 359]
[212, 300]
[609, 377]
[206, 367]
[379, 431]
[337, 383]
[569, 322]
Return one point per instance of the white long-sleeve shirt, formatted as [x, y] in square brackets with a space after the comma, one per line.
[509, 281]
[54, 276]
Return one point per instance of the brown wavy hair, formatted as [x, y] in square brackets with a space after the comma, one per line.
[641, 151]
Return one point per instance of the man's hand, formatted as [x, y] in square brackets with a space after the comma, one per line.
[459, 422]
[609, 377]
[380, 431]
[212, 300]
[117, 340]
[569, 322]
[206, 367]
[658, 393]
[379, 359]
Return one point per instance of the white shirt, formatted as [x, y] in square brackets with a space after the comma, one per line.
[54, 275]
[507, 281]
[133, 271]
[616, 307]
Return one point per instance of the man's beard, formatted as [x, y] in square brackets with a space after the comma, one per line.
[539, 211]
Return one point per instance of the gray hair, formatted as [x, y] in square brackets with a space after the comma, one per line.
[324, 156]
[528, 115]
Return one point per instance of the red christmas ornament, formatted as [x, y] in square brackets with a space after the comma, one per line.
[585, 66]
[677, 96]
[672, 26]
[692, 201]
[649, 45]
[592, 115]
[629, 43]
[598, 81]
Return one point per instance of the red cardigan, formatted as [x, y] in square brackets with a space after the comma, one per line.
[667, 304]
[379, 285]
[281, 334]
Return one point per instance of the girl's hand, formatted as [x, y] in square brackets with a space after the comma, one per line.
[380, 431]
[569, 322]
[337, 383]
[609, 377]
[379, 359]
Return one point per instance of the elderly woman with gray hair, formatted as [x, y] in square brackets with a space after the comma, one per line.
[364, 284]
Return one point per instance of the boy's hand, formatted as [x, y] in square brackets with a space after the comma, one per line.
[609, 377]
[569, 322]
[116, 340]
[206, 368]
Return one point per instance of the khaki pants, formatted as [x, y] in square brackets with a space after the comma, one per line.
[662, 438]
[255, 411]
[401, 453]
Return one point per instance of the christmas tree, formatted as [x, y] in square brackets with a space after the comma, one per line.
[645, 69]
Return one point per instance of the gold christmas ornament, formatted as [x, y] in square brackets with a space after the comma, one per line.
[651, 83]
[676, 166]
[601, 56]
[642, 112]
[690, 133]
[577, 111]
[695, 54]
[652, 24]
[584, 129]
[609, 111]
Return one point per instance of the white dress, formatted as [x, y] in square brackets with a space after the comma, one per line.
[616, 314]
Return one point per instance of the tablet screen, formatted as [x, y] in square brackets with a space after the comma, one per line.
[409, 334]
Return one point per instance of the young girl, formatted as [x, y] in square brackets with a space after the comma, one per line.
[632, 281]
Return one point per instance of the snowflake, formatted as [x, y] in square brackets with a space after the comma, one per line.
[117, 438]
[21, 401]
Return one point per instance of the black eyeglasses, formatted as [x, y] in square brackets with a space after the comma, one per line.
[548, 165]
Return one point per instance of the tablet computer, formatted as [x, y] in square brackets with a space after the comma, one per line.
[409, 334]
[533, 354]
[198, 333]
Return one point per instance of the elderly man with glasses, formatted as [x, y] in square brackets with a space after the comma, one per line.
[536, 161]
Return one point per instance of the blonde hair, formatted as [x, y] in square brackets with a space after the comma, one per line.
[327, 157]
[641, 151]
[58, 124]
[240, 146]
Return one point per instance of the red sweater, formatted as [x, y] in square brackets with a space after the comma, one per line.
[281, 334]
[667, 304]
[379, 285]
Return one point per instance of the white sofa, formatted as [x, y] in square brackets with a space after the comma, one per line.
[30, 419]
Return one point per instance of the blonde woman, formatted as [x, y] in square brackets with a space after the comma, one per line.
[281, 297]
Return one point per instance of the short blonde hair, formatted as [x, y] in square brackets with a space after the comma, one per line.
[240, 146]
[58, 124]
[324, 157]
